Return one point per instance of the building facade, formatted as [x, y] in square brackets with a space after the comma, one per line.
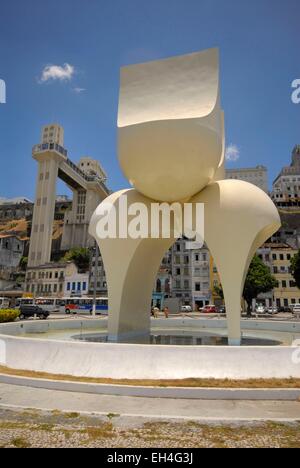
[56, 280]
[190, 275]
[286, 186]
[278, 258]
[254, 175]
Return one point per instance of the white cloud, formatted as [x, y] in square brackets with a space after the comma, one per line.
[232, 153]
[79, 90]
[56, 72]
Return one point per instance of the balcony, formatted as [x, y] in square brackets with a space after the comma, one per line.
[49, 147]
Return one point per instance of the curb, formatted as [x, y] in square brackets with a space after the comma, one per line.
[280, 394]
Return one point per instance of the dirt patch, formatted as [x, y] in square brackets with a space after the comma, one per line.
[192, 382]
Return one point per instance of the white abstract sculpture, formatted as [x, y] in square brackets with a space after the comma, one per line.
[171, 149]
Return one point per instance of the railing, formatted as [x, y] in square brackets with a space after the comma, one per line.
[50, 147]
[74, 167]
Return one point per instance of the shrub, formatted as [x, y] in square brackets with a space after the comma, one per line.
[8, 315]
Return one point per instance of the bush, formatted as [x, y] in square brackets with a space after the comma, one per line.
[8, 315]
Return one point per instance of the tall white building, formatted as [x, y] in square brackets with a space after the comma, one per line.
[286, 186]
[87, 182]
[255, 175]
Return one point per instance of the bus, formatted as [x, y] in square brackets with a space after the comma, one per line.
[81, 305]
[24, 301]
[4, 303]
[50, 304]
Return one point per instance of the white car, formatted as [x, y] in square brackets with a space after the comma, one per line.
[260, 309]
[186, 308]
[296, 309]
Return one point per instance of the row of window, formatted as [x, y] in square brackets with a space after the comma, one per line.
[286, 302]
[45, 275]
[276, 256]
[197, 271]
[44, 288]
[100, 284]
[186, 285]
[77, 286]
[287, 284]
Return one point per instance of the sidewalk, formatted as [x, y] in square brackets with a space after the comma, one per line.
[148, 408]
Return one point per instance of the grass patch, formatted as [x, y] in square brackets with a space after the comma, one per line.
[105, 431]
[191, 382]
[20, 442]
[72, 415]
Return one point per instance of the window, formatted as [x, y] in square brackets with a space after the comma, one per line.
[281, 256]
[197, 287]
[55, 288]
[196, 257]
[84, 286]
[56, 275]
[68, 286]
[178, 247]
[284, 284]
[275, 269]
[78, 286]
[274, 256]
[177, 271]
[186, 284]
[204, 257]
[73, 286]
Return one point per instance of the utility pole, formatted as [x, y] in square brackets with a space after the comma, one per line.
[95, 278]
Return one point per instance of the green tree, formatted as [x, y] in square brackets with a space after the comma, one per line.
[80, 256]
[259, 280]
[295, 268]
[23, 263]
[219, 291]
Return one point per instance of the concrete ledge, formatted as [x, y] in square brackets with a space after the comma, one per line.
[282, 394]
[138, 361]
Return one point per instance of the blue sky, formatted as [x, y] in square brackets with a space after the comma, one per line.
[259, 51]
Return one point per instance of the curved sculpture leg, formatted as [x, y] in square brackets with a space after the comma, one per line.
[131, 266]
[239, 218]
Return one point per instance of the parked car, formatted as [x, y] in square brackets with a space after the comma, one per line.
[186, 308]
[296, 310]
[260, 309]
[221, 310]
[285, 309]
[272, 310]
[209, 309]
[27, 311]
